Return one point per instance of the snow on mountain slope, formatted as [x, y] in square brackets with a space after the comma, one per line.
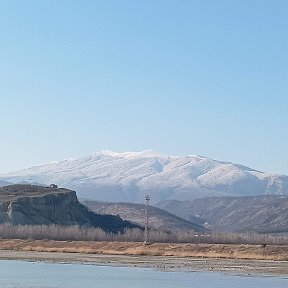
[129, 176]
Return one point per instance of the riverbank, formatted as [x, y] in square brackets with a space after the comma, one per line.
[166, 263]
[229, 251]
[203, 257]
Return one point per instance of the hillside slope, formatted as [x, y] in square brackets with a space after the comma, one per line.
[129, 176]
[36, 205]
[136, 213]
[264, 214]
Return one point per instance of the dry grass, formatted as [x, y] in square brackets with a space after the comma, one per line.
[76, 233]
[232, 251]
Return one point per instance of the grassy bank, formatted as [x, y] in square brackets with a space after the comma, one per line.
[229, 251]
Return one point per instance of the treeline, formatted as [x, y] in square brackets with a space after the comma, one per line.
[77, 233]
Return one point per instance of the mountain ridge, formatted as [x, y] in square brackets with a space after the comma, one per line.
[129, 176]
[261, 214]
[135, 213]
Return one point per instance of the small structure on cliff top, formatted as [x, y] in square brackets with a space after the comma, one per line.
[53, 186]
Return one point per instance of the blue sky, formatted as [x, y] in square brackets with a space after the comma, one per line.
[179, 77]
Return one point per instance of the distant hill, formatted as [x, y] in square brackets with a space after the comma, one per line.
[264, 214]
[129, 176]
[136, 213]
[4, 183]
[37, 205]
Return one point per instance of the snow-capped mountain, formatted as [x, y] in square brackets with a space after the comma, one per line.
[129, 176]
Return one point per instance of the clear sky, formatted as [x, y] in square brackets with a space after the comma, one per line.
[180, 77]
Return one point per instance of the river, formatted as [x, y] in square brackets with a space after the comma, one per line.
[23, 274]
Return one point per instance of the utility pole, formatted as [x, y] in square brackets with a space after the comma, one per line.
[147, 199]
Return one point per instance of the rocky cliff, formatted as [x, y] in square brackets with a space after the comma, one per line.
[37, 205]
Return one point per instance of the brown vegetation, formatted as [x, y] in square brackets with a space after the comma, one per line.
[231, 251]
[79, 233]
[75, 239]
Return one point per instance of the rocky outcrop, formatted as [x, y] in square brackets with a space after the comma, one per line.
[37, 205]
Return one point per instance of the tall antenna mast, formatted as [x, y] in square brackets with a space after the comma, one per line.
[147, 199]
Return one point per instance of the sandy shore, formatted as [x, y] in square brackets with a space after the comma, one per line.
[167, 263]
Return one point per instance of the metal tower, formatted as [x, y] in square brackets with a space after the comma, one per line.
[147, 199]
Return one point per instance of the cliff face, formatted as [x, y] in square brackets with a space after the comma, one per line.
[36, 205]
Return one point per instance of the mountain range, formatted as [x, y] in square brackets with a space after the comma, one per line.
[129, 176]
[261, 214]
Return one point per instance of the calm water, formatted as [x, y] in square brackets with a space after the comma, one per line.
[49, 275]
